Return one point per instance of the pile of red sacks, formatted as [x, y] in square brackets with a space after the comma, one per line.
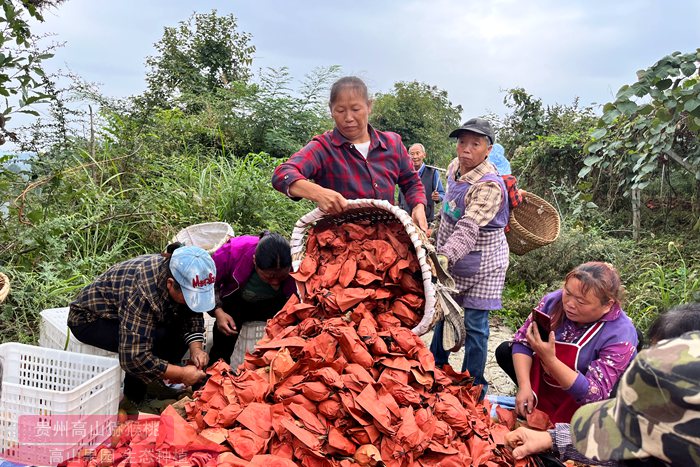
[340, 379]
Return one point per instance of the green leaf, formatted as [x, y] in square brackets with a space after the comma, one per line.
[691, 104]
[650, 167]
[29, 111]
[688, 68]
[609, 117]
[591, 160]
[584, 171]
[599, 133]
[35, 216]
[664, 115]
[664, 84]
[645, 109]
[627, 107]
[625, 92]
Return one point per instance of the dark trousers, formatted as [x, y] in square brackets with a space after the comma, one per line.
[168, 344]
[242, 312]
[504, 358]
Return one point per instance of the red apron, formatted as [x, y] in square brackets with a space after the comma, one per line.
[550, 398]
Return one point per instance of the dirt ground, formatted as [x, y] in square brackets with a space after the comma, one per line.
[499, 383]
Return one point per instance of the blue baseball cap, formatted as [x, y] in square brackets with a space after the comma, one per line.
[195, 272]
[497, 157]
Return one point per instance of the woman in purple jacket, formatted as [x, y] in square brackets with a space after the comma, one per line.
[591, 343]
[252, 284]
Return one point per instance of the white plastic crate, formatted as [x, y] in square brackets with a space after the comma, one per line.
[248, 336]
[70, 397]
[53, 330]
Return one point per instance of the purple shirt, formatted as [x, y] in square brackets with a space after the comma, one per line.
[234, 266]
[331, 161]
[601, 361]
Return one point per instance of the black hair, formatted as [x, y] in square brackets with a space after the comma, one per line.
[350, 82]
[273, 252]
[675, 322]
[168, 253]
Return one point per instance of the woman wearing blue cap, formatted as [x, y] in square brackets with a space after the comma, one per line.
[148, 309]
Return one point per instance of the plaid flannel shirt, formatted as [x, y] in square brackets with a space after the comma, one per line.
[333, 162]
[134, 292]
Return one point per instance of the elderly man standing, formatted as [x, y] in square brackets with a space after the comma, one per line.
[471, 242]
[434, 192]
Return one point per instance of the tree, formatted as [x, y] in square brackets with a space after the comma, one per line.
[525, 123]
[22, 79]
[651, 122]
[420, 113]
[200, 55]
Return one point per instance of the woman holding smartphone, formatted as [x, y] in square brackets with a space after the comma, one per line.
[591, 342]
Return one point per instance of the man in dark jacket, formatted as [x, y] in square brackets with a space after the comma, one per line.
[434, 192]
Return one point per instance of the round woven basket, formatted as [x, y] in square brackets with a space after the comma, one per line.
[375, 211]
[4, 287]
[533, 223]
[209, 236]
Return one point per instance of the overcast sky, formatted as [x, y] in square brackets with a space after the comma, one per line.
[557, 50]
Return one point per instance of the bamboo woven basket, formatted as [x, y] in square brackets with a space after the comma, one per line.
[4, 287]
[533, 223]
[375, 211]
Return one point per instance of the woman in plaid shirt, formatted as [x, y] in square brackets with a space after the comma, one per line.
[353, 160]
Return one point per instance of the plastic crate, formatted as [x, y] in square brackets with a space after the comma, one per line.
[53, 330]
[53, 403]
[249, 335]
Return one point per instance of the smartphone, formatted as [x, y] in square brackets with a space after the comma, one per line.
[543, 323]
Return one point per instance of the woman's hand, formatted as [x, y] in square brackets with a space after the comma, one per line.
[418, 216]
[225, 322]
[545, 350]
[330, 201]
[524, 441]
[524, 400]
[191, 375]
[199, 357]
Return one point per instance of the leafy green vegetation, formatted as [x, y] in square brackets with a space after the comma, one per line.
[201, 147]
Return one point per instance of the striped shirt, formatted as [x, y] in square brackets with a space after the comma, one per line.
[135, 293]
[333, 162]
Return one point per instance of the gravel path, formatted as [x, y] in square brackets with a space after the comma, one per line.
[499, 383]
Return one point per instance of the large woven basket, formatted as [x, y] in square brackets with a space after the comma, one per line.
[533, 223]
[209, 236]
[375, 211]
[4, 287]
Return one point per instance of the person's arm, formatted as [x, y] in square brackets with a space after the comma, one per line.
[526, 441]
[136, 345]
[438, 186]
[194, 338]
[557, 369]
[327, 200]
[524, 399]
[135, 339]
[481, 205]
[306, 164]
[604, 372]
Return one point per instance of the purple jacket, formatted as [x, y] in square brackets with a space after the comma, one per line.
[234, 266]
[602, 361]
